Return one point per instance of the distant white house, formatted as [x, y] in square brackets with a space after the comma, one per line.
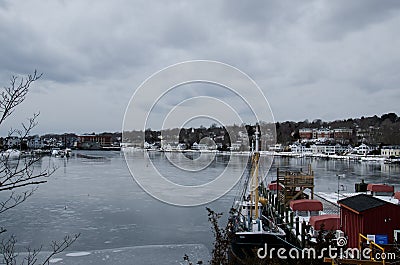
[328, 149]
[389, 151]
[363, 149]
[318, 149]
[235, 146]
[197, 146]
[299, 148]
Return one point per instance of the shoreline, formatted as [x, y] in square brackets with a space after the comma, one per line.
[349, 157]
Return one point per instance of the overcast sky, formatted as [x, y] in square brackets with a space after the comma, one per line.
[312, 59]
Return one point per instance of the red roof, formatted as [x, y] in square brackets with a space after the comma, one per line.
[306, 205]
[274, 186]
[380, 188]
[330, 221]
[397, 195]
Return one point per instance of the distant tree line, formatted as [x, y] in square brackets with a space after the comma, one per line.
[385, 130]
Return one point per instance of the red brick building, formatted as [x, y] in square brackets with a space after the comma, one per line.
[93, 141]
[343, 135]
[306, 133]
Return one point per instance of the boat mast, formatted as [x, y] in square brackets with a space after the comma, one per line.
[254, 176]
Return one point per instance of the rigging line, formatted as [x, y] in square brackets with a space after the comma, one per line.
[241, 191]
[288, 243]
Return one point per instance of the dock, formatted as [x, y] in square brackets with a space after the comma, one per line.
[303, 214]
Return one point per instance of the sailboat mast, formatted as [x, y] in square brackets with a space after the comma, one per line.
[256, 160]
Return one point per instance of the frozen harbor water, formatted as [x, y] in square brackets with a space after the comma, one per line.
[121, 224]
[152, 254]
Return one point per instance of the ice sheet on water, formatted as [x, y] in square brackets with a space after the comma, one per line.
[77, 254]
[150, 254]
[55, 260]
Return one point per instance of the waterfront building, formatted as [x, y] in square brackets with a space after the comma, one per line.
[306, 133]
[299, 148]
[340, 135]
[318, 149]
[363, 149]
[197, 146]
[235, 146]
[389, 151]
[324, 133]
[343, 135]
[368, 215]
[328, 149]
[94, 141]
[367, 135]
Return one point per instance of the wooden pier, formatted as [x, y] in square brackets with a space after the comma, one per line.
[292, 184]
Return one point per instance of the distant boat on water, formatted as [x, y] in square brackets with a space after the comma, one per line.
[57, 152]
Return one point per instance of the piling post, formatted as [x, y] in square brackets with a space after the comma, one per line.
[291, 219]
[303, 234]
[287, 215]
[281, 212]
[269, 197]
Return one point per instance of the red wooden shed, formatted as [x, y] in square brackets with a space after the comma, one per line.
[366, 214]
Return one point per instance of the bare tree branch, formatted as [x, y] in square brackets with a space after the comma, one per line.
[15, 94]
[7, 250]
[9, 255]
[31, 257]
[17, 171]
[59, 247]
[15, 199]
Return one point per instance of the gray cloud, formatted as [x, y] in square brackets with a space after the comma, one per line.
[340, 18]
[312, 59]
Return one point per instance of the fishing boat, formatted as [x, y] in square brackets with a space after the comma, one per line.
[251, 225]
